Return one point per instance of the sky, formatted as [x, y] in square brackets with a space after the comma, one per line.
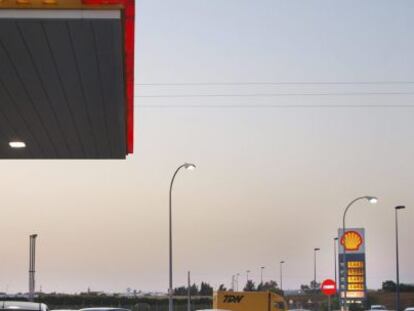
[271, 183]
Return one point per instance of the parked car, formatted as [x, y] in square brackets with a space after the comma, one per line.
[23, 306]
[409, 309]
[103, 309]
[378, 307]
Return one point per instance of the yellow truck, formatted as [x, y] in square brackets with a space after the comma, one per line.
[248, 301]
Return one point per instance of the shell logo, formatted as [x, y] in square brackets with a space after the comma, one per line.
[351, 241]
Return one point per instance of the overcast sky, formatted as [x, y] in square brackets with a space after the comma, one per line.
[271, 183]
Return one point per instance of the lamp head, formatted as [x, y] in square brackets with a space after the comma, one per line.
[189, 166]
[400, 207]
[372, 200]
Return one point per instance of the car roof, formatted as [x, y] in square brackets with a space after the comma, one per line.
[104, 309]
[25, 305]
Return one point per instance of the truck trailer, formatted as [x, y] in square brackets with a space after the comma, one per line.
[248, 301]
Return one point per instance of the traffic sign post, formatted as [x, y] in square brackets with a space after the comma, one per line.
[328, 288]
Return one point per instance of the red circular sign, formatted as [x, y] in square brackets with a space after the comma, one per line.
[328, 287]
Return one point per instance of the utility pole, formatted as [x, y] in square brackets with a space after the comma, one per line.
[189, 292]
[32, 261]
[314, 267]
[261, 274]
[335, 260]
[397, 262]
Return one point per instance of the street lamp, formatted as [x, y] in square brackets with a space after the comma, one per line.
[32, 260]
[397, 292]
[372, 200]
[237, 282]
[315, 250]
[281, 274]
[261, 274]
[188, 166]
[335, 260]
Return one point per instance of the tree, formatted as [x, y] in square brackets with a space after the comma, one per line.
[250, 287]
[271, 286]
[194, 290]
[180, 291]
[315, 286]
[206, 289]
[305, 288]
[389, 286]
[222, 288]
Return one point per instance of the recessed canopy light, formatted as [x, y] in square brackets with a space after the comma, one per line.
[17, 144]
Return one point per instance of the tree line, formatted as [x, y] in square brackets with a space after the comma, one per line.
[391, 286]
[206, 289]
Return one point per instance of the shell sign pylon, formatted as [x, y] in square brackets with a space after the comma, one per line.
[352, 265]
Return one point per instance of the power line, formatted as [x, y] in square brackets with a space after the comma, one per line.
[277, 94]
[271, 106]
[281, 83]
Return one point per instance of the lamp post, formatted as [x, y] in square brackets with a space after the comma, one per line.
[187, 166]
[335, 260]
[372, 200]
[281, 274]
[237, 282]
[397, 292]
[32, 261]
[189, 291]
[261, 275]
[315, 250]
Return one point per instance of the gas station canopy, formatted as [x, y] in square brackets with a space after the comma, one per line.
[66, 79]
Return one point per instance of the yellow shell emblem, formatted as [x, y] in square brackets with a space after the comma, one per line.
[351, 240]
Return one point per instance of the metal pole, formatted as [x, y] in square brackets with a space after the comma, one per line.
[397, 306]
[281, 275]
[32, 265]
[261, 275]
[397, 292]
[335, 260]
[170, 288]
[314, 267]
[189, 292]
